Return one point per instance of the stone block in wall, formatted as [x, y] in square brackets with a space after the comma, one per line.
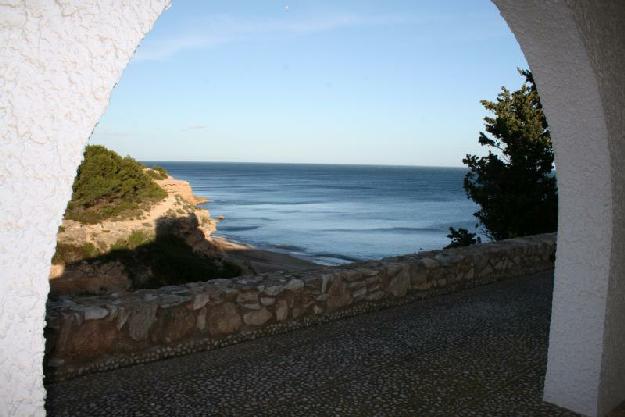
[282, 310]
[173, 324]
[339, 295]
[223, 319]
[141, 318]
[400, 283]
[257, 318]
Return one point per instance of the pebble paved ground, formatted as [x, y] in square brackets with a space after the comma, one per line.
[480, 352]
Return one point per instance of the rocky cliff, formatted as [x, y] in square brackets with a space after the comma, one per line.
[180, 203]
[169, 242]
[76, 267]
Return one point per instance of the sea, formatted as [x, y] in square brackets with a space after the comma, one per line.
[331, 214]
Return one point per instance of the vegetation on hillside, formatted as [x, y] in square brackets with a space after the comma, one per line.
[462, 237]
[515, 183]
[157, 172]
[66, 253]
[108, 185]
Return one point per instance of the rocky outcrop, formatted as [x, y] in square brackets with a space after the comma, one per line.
[182, 189]
[93, 333]
[180, 203]
[177, 215]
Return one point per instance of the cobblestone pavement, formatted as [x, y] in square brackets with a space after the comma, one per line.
[480, 352]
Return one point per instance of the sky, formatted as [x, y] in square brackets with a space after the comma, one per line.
[313, 81]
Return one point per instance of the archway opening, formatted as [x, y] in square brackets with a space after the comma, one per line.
[329, 86]
[194, 127]
[325, 213]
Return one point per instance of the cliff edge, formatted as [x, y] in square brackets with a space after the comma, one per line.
[114, 240]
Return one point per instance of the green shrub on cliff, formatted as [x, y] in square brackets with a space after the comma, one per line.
[157, 172]
[134, 240]
[66, 253]
[108, 186]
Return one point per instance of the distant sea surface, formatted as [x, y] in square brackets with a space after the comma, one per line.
[331, 214]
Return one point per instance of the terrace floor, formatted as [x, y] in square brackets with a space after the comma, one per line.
[480, 352]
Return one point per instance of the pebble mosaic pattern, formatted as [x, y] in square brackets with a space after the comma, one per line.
[480, 352]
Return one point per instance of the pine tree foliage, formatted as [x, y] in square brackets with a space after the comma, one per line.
[515, 183]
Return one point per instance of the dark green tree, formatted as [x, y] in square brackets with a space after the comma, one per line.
[514, 185]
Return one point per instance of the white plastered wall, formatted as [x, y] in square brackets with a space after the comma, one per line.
[602, 25]
[60, 60]
[576, 49]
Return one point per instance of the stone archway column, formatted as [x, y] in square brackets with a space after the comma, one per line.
[576, 49]
[59, 61]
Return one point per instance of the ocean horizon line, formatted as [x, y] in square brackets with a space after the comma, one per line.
[149, 161]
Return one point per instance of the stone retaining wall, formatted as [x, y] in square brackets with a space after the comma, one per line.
[86, 334]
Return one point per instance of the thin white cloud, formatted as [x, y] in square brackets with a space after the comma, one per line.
[195, 127]
[219, 30]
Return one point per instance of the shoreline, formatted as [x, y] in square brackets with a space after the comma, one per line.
[288, 250]
[261, 260]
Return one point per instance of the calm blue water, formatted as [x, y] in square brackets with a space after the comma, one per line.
[331, 213]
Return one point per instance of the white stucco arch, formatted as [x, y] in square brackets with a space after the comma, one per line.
[576, 49]
[60, 60]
